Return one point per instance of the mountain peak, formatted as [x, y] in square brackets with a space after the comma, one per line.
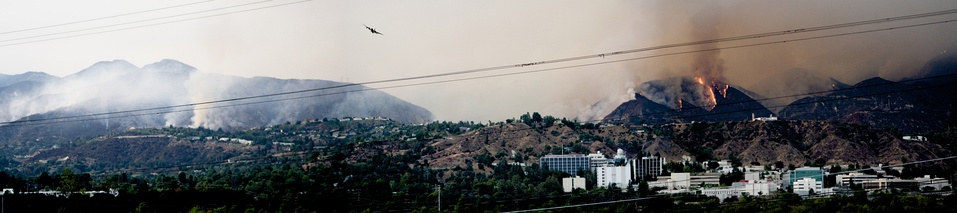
[113, 63]
[872, 81]
[105, 67]
[170, 66]
[7, 80]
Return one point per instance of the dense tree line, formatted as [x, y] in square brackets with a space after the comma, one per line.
[354, 174]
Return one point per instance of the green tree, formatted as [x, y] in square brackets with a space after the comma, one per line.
[712, 165]
[68, 181]
[45, 181]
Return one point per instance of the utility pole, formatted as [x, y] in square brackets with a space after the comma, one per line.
[440, 197]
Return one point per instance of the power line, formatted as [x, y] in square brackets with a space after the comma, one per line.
[581, 205]
[22, 122]
[105, 17]
[753, 36]
[148, 25]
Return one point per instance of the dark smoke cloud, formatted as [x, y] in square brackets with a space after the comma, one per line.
[793, 67]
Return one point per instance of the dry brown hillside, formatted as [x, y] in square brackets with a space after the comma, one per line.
[526, 141]
[791, 142]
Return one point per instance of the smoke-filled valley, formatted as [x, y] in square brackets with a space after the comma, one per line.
[113, 88]
[113, 96]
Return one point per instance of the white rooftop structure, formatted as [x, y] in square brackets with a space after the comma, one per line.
[620, 154]
[769, 118]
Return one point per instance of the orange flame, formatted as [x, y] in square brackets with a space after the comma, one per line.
[679, 104]
[713, 101]
[723, 91]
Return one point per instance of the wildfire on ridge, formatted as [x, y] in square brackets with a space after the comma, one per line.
[712, 100]
[679, 103]
[723, 91]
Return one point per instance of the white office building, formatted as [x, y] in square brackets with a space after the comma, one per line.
[570, 164]
[805, 186]
[845, 180]
[598, 160]
[936, 183]
[651, 166]
[572, 183]
[618, 176]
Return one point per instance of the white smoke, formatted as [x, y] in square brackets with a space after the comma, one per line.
[599, 110]
[105, 87]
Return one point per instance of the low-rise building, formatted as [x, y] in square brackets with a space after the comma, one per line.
[752, 176]
[806, 172]
[572, 183]
[613, 176]
[647, 166]
[740, 189]
[884, 183]
[915, 138]
[807, 186]
[598, 160]
[683, 181]
[845, 180]
[936, 183]
[769, 118]
[570, 164]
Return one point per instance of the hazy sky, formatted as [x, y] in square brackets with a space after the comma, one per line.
[327, 40]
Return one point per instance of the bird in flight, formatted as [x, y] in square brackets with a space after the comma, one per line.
[372, 30]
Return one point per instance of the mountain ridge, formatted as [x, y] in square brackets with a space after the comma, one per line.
[667, 100]
[916, 105]
[117, 90]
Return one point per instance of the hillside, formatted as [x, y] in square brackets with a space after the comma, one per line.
[477, 147]
[132, 152]
[920, 104]
[521, 143]
[763, 143]
[912, 107]
[685, 100]
[112, 89]
[168, 146]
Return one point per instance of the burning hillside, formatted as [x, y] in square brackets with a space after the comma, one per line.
[686, 99]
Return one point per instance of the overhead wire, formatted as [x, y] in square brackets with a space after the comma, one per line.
[148, 25]
[94, 116]
[105, 17]
[753, 36]
[20, 122]
[137, 21]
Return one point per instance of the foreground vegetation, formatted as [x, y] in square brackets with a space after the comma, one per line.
[384, 184]
[381, 166]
